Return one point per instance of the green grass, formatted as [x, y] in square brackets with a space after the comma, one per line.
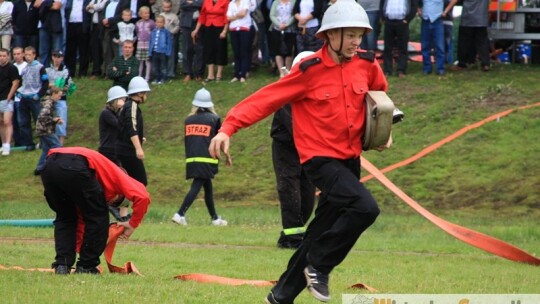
[487, 180]
[399, 254]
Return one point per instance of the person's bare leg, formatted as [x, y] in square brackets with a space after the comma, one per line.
[288, 62]
[211, 75]
[280, 64]
[219, 74]
[6, 131]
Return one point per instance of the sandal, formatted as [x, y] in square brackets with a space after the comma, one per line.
[209, 79]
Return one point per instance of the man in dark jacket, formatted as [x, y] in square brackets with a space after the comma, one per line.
[25, 18]
[51, 35]
[192, 61]
[78, 21]
[295, 191]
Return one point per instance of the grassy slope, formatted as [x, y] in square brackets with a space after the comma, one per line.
[494, 166]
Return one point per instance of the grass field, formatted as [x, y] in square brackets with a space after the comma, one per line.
[487, 180]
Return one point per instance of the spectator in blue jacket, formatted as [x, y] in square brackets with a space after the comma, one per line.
[159, 50]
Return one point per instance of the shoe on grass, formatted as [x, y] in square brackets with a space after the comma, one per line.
[219, 222]
[87, 270]
[317, 283]
[62, 269]
[180, 220]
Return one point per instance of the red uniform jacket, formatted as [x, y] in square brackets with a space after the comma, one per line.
[114, 181]
[327, 102]
[214, 14]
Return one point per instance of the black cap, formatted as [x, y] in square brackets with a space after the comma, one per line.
[58, 53]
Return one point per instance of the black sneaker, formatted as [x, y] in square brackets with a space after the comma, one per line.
[84, 270]
[317, 283]
[270, 299]
[62, 269]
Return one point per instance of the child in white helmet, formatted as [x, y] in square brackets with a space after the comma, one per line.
[129, 147]
[108, 122]
[200, 126]
[108, 134]
[327, 92]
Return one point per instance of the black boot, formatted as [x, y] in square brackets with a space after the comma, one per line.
[85, 270]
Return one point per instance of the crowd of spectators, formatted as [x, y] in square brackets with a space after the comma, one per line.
[91, 33]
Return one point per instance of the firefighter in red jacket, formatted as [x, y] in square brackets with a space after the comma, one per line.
[79, 185]
[326, 91]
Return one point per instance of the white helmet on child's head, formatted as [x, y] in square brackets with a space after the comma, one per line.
[344, 13]
[301, 56]
[115, 93]
[138, 84]
[203, 99]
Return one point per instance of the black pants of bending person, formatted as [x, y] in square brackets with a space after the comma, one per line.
[70, 185]
[345, 210]
[196, 186]
[295, 191]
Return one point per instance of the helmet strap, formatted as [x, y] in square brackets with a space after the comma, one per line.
[339, 51]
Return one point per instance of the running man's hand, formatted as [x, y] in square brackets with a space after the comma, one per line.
[219, 143]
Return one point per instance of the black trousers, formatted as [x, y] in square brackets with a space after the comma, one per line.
[196, 186]
[345, 210]
[134, 167]
[192, 62]
[70, 185]
[96, 49]
[295, 191]
[77, 46]
[473, 41]
[396, 35]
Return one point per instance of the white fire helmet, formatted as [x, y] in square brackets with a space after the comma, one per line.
[203, 99]
[115, 93]
[138, 84]
[344, 13]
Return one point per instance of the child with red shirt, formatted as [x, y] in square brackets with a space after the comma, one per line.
[326, 91]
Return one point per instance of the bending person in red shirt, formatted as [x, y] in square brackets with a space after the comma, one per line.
[326, 91]
[80, 184]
